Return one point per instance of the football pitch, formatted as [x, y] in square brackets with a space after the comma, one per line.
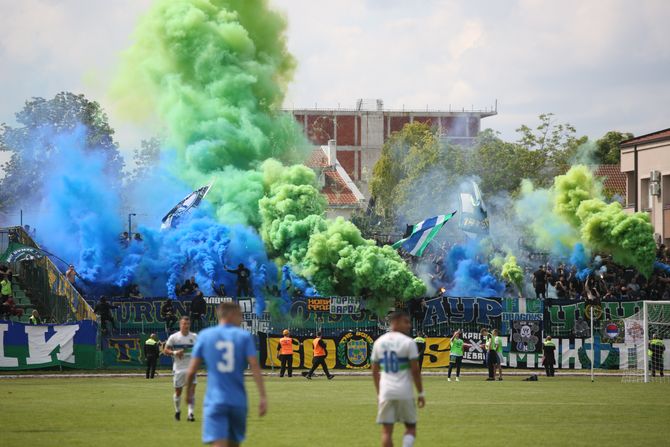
[121, 411]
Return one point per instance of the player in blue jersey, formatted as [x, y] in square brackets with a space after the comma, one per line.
[226, 350]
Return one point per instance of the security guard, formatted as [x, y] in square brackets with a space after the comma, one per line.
[420, 341]
[320, 354]
[549, 356]
[151, 354]
[657, 349]
[285, 353]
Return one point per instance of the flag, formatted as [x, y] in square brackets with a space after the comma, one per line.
[473, 217]
[422, 234]
[189, 202]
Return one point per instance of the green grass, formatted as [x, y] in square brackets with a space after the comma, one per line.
[137, 412]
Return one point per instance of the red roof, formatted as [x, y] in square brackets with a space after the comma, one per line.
[317, 159]
[659, 135]
[337, 191]
[615, 180]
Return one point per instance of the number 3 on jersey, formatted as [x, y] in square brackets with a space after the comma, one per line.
[227, 363]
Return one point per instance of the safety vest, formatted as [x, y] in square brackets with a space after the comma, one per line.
[150, 342]
[6, 288]
[33, 319]
[318, 349]
[420, 340]
[549, 343]
[286, 344]
[657, 341]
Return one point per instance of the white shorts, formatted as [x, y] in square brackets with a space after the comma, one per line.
[397, 410]
[179, 378]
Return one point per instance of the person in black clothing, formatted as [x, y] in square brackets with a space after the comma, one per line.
[549, 356]
[151, 354]
[168, 314]
[561, 288]
[420, 341]
[540, 283]
[243, 280]
[104, 310]
[198, 310]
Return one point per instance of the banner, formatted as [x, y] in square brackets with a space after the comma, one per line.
[526, 336]
[562, 317]
[18, 252]
[24, 346]
[189, 202]
[345, 305]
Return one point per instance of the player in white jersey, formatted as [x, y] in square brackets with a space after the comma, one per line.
[395, 365]
[179, 345]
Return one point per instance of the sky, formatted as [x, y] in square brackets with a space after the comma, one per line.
[599, 65]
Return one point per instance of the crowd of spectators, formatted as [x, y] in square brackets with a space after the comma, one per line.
[605, 281]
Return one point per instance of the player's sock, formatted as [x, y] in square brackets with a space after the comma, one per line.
[408, 441]
[191, 408]
[177, 403]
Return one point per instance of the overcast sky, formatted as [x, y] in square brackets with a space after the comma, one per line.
[599, 65]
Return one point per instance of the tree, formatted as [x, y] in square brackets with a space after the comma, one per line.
[31, 142]
[608, 147]
[145, 158]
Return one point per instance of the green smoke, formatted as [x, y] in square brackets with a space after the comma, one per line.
[511, 271]
[604, 227]
[214, 72]
[332, 254]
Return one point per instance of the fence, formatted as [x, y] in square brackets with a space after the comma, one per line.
[57, 300]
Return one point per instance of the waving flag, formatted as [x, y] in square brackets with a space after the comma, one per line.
[422, 234]
[189, 202]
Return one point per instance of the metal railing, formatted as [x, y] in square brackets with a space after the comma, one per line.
[55, 297]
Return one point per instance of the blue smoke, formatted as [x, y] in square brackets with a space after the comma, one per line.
[80, 218]
[467, 275]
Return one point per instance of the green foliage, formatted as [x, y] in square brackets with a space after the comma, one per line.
[39, 120]
[608, 149]
[415, 163]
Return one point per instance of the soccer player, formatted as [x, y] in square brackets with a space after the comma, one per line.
[456, 355]
[395, 366]
[179, 345]
[226, 350]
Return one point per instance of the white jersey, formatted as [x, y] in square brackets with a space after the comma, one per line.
[393, 352]
[178, 341]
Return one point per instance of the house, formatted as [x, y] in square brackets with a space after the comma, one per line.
[342, 194]
[645, 160]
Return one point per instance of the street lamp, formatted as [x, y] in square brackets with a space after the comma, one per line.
[130, 223]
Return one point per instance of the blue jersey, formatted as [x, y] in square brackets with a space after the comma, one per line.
[225, 349]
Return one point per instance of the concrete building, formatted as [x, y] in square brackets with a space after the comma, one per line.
[646, 162]
[359, 133]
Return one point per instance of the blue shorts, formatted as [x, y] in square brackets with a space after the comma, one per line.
[223, 422]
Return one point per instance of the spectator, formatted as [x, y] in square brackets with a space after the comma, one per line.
[220, 291]
[124, 238]
[5, 287]
[540, 283]
[561, 289]
[189, 287]
[243, 280]
[138, 237]
[198, 310]
[168, 314]
[35, 317]
[72, 275]
[104, 310]
[134, 292]
[9, 308]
